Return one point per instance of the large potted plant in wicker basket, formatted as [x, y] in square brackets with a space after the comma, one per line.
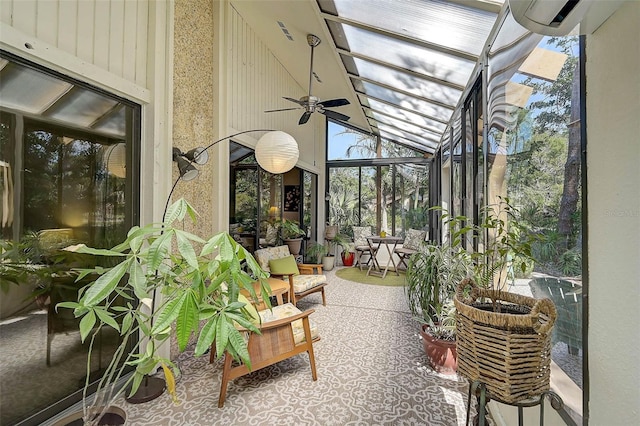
[503, 339]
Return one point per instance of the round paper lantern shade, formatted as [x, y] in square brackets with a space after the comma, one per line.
[277, 152]
[116, 160]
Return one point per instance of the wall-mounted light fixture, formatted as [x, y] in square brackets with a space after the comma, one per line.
[276, 152]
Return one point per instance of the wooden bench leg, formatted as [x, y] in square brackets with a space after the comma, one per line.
[225, 379]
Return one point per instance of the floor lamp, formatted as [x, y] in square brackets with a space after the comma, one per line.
[276, 152]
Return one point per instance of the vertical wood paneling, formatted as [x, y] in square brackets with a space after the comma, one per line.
[111, 34]
[85, 30]
[101, 20]
[47, 21]
[116, 37]
[129, 40]
[68, 26]
[24, 16]
[142, 35]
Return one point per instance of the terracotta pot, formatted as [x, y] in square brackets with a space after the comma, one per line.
[348, 258]
[294, 245]
[442, 354]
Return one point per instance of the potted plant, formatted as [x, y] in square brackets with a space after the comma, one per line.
[348, 249]
[181, 290]
[439, 338]
[316, 252]
[292, 235]
[431, 278]
[510, 329]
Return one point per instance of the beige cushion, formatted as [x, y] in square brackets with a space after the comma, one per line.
[360, 234]
[414, 239]
[263, 256]
[305, 282]
[288, 310]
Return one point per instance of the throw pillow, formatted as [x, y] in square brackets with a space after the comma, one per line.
[414, 239]
[284, 266]
[360, 234]
[272, 235]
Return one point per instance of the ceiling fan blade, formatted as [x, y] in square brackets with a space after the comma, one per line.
[283, 109]
[335, 115]
[334, 103]
[299, 102]
[305, 117]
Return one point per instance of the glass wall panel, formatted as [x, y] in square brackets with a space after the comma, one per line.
[534, 159]
[309, 204]
[63, 181]
[244, 209]
[344, 204]
[389, 193]
[411, 198]
[368, 202]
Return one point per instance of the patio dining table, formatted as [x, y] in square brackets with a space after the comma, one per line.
[375, 242]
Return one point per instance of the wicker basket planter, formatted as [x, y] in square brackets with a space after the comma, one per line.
[508, 349]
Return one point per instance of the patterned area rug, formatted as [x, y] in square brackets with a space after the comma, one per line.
[355, 274]
[371, 371]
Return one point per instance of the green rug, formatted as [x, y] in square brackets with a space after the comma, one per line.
[355, 274]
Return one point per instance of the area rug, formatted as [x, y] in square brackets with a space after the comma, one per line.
[355, 274]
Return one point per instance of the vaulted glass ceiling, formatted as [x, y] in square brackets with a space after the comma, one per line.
[410, 60]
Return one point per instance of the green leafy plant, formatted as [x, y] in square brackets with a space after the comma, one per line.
[316, 252]
[345, 242]
[501, 237]
[431, 279]
[442, 323]
[290, 229]
[199, 293]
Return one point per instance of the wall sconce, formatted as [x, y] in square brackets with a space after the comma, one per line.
[186, 167]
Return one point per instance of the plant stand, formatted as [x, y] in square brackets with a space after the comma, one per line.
[480, 390]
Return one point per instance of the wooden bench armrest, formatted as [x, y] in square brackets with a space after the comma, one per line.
[310, 268]
[279, 323]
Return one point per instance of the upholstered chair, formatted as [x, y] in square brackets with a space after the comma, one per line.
[304, 279]
[414, 240]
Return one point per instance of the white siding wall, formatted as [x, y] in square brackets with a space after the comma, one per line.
[109, 34]
[121, 46]
[613, 108]
[257, 82]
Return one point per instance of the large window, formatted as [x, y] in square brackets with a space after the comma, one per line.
[259, 200]
[375, 182]
[533, 158]
[68, 166]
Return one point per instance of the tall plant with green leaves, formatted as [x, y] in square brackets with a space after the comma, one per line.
[502, 239]
[198, 283]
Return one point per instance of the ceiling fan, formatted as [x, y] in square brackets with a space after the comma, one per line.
[312, 104]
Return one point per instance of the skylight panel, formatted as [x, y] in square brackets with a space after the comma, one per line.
[422, 60]
[447, 24]
[407, 115]
[408, 102]
[408, 83]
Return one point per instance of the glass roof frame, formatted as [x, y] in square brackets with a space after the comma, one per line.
[410, 72]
